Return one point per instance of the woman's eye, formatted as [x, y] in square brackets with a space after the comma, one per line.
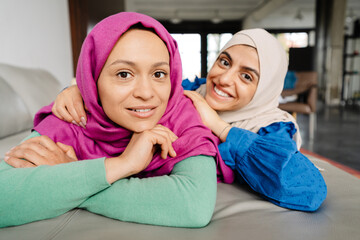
[246, 76]
[159, 74]
[224, 62]
[124, 74]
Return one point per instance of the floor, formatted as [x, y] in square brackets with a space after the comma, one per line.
[337, 134]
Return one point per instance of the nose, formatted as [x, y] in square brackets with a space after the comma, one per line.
[143, 88]
[226, 78]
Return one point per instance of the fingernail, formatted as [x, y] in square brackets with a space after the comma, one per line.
[83, 121]
[82, 125]
[73, 122]
[6, 158]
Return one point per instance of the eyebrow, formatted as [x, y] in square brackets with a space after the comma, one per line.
[119, 61]
[247, 68]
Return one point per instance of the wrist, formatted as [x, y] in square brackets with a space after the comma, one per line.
[221, 129]
[224, 132]
[116, 168]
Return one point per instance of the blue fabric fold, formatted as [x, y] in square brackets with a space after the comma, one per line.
[192, 85]
[271, 165]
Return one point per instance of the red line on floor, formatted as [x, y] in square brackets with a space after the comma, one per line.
[336, 164]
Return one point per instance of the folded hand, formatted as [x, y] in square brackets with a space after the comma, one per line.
[40, 151]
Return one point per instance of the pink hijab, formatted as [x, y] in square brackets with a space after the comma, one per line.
[104, 138]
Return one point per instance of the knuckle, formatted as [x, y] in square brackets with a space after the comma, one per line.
[44, 138]
[26, 153]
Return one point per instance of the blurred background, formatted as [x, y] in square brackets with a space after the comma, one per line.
[320, 36]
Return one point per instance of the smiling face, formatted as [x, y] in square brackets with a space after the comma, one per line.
[232, 81]
[134, 85]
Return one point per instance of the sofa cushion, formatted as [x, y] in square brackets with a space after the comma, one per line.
[15, 116]
[11, 141]
[36, 87]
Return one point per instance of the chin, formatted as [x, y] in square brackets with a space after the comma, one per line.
[214, 104]
[138, 128]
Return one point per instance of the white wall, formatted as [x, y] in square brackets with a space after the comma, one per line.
[36, 34]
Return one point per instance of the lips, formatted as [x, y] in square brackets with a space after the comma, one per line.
[142, 111]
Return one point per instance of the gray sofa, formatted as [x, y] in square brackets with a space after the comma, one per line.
[239, 213]
[23, 91]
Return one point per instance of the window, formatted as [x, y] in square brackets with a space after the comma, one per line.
[214, 44]
[293, 40]
[189, 47]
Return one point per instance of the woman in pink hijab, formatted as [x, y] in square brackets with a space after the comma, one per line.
[144, 156]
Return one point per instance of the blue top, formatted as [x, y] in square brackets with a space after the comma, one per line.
[192, 85]
[271, 165]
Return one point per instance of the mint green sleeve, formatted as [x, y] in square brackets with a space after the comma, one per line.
[185, 198]
[37, 193]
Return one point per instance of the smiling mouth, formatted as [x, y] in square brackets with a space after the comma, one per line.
[221, 93]
[141, 110]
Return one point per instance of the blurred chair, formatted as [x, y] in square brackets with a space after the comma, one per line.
[306, 91]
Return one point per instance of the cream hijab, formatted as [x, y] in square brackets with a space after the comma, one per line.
[263, 109]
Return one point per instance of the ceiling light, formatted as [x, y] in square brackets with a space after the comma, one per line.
[299, 16]
[216, 19]
[176, 19]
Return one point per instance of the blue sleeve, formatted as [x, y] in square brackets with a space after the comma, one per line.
[193, 85]
[271, 165]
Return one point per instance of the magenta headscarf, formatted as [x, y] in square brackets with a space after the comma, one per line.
[104, 138]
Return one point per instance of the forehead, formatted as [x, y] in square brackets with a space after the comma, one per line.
[241, 49]
[139, 43]
[244, 55]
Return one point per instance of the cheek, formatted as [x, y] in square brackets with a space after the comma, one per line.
[213, 72]
[163, 91]
[112, 96]
[245, 94]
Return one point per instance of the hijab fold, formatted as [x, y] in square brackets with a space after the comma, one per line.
[104, 138]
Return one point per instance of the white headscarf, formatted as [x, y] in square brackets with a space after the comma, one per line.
[263, 109]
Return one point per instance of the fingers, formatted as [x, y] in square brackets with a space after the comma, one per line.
[69, 106]
[44, 141]
[167, 131]
[80, 111]
[76, 106]
[42, 151]
[62, 112]
[55, 111]
[164, 138]
[69, 150]
[30, 152]
[194, 96]
[18, 163]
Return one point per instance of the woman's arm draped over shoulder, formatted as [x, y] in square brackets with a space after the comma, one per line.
[271, 164]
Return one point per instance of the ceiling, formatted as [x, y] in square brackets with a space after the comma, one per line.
[254, 13]
[269, 14]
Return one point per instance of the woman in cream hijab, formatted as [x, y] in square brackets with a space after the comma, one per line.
[239, 103]
[259, 141]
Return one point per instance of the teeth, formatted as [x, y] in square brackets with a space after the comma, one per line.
[141, 110]
[221, 93]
